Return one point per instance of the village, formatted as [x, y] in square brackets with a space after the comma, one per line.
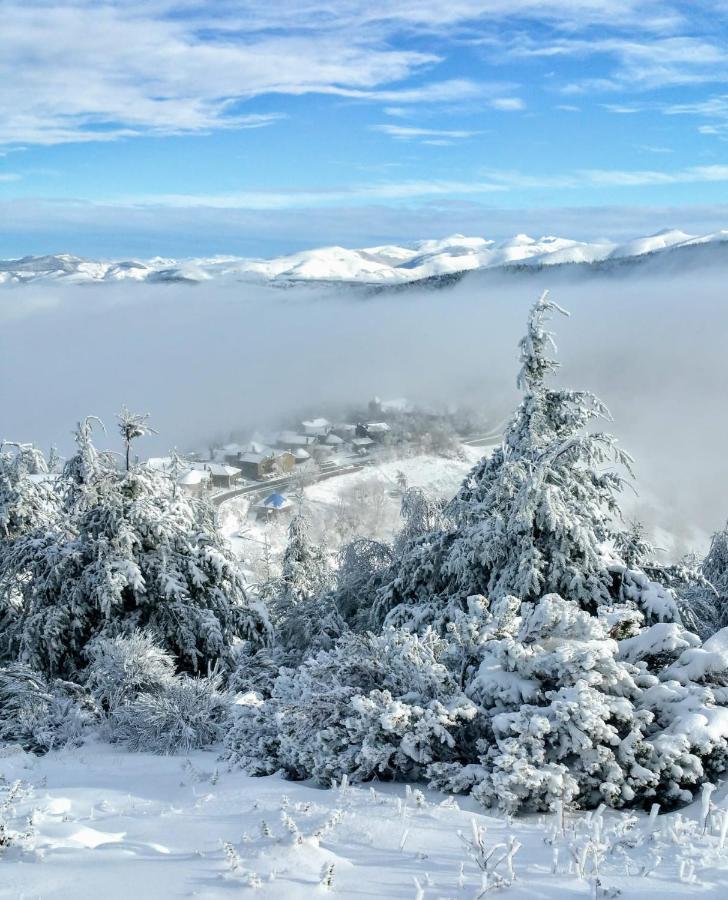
[273, 468]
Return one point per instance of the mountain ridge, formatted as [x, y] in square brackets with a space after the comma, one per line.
[375, 266]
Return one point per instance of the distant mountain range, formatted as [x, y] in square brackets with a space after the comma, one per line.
[386, 265]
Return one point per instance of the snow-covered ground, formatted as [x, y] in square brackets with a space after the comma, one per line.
[370, 265]
[106, 823]
[359, 504]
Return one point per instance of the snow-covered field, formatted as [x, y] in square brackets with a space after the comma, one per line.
[106, 823]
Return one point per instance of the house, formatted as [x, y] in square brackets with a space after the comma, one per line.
[362, 445]
[222, 475]
[233, 452]
[272, 505]
[333, 440]
[301, 456]
[377, 430]
[258, 466]
[317, 427]
[194, 482]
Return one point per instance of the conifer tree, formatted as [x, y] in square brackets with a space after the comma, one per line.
[535, 516]
[127, 555]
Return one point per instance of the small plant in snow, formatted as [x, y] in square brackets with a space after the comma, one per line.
[495, 862]
[10, 796]
[293, 829]
[327, 876]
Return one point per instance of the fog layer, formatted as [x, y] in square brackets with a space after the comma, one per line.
[207, 361]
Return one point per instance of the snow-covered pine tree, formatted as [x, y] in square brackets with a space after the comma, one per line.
[27, 496]
[532, 518]
[129, 555]
[704, 594]
[28, 501]
[132, 426]
[715, 567]
[301, 608]
[304, 569]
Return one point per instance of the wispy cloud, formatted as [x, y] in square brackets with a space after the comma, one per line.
[430, 135]
[714, 109]
[10, 176]
[90, 71]
[489, 181]
[612, 178]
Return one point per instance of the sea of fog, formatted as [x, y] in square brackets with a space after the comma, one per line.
[212, 359]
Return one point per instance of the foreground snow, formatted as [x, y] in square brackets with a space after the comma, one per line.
[108, 823]
[371, 265]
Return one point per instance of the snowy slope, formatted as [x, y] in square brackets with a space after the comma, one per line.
[106, 823]
[389, 264]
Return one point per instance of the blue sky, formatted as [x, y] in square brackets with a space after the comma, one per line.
[250, 127]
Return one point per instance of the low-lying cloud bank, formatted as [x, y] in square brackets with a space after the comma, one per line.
[209, 360]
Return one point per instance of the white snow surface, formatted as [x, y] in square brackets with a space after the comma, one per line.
[112, 824]
[390, 264]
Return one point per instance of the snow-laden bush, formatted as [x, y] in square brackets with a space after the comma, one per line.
[186, 714]
[373, 705]
[38, 714]
[121, 668]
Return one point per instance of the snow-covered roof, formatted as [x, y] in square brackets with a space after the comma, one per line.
[334, 439]
[255, 457]
[317, 423]
[377, 427]
[301, 454]
[362, 442]
[274, 501]
[216, 468]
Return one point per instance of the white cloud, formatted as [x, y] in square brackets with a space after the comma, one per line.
[92, 71]
[715, 108]
[640, 61]
[432, 135]
[508, 104]
[9, 176]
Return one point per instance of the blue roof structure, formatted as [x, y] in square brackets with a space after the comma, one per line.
[275, 501]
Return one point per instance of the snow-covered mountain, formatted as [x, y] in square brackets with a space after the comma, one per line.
[390, 264]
